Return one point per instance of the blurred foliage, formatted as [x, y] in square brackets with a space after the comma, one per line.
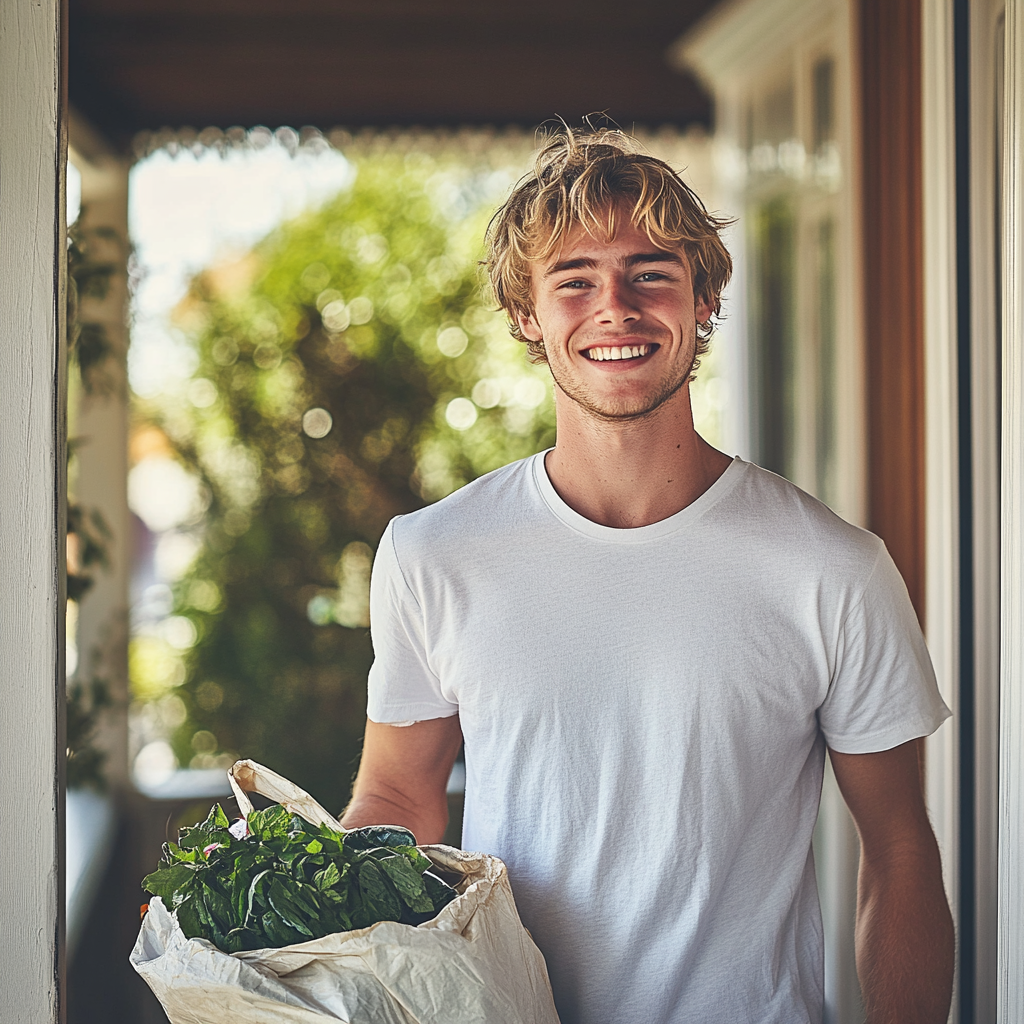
[91, 535]
[349, 368]
[89, 276]
[89, 352]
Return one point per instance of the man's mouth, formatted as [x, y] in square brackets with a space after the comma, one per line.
[602, 353]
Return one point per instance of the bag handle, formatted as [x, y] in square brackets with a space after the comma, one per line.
[250, 777]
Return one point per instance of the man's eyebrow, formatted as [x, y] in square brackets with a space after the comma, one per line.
[661, 256]
[582, 263]
[586, 263]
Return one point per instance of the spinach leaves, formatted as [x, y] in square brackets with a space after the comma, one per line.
[284, 881]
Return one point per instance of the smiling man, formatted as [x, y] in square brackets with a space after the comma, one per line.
[648, 647]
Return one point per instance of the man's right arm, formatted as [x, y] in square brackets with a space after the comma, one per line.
[403, 777]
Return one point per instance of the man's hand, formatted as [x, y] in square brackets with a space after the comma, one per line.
[403, 777]
[904, 928]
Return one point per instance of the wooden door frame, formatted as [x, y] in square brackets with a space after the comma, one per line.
[33, 390]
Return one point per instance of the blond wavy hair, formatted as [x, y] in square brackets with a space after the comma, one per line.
[582, 177]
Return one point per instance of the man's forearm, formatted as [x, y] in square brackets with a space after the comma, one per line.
[904, 940]
[403, 776]
[370, 808]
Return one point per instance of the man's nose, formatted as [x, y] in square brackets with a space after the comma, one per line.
[617, 305]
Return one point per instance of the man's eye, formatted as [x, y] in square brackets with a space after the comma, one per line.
[573, 284]
[651, 275]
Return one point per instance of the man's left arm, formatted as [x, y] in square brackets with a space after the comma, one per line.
[904, 929]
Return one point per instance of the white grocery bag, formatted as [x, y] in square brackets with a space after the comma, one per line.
[474, 963]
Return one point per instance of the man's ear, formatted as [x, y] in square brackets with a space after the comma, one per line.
[703, 309]
[528, 327]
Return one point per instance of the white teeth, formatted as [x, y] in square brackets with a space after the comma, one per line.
[623, 352]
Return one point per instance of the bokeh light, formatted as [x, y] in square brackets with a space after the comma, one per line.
[317, 423]
[460, 413]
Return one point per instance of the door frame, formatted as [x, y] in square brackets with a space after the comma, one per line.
[1010, 997]
[33, 393]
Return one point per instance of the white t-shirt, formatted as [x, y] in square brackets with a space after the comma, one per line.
[645, 715]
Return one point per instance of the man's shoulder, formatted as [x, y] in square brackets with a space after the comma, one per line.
[487, 506]
[792, 525]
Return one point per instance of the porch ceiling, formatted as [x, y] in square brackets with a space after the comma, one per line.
[146, 64]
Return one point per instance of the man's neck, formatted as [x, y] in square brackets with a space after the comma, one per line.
[631, 473]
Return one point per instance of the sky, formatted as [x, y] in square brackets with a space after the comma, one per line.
[186, 212]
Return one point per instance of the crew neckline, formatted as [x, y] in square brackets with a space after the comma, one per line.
[680, 520]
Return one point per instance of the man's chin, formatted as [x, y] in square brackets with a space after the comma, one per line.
[620, 409]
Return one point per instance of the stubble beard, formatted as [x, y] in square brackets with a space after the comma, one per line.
[619, 410]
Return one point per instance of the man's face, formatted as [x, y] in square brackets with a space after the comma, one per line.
[618, 320]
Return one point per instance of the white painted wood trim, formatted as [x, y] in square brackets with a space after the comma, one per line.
[1011, 754]
[739, 37]
[942, 577]
[32, 387]
[985, 316]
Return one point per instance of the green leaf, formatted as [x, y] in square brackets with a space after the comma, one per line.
[300, 825]
[314, 846]
[277, 820]
[239, 939]
[304, 897]
[240, 882]
[279, 933]
[166, 881]
[332, 841]
[210, 928]
[339, 920]
[286, 909]
[371, 836]
[379, 898]
[418, 861]
[188, 920]
[327, 877]
[440, 892]
[217, 818]
[255, 893]
[408, 882]
[219, 908]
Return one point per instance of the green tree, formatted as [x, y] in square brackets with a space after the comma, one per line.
[349, 368]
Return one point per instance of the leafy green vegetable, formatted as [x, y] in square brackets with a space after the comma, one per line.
[287, 881]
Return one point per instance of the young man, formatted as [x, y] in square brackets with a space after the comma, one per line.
[647, 646]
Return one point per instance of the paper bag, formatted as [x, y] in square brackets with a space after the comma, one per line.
[474, 963]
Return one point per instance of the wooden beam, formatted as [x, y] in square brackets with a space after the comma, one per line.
[32, 510]
[142, 65]
[893, 281]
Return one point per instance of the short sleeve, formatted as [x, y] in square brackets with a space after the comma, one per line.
[402, 687]
[883, 690]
